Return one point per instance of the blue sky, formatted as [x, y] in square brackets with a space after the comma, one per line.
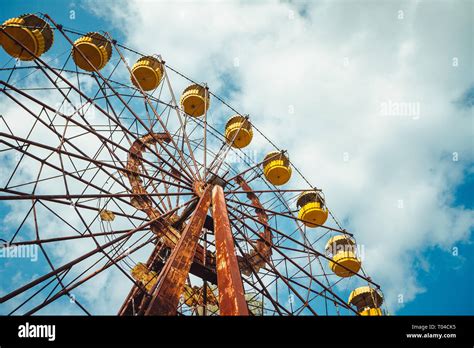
[440, 282]
[449, 283]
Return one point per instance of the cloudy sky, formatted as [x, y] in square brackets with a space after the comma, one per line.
[372, 100]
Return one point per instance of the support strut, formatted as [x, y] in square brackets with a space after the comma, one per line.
[231, 291]
[173, 276]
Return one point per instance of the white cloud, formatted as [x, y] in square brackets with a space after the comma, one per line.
[336, 67]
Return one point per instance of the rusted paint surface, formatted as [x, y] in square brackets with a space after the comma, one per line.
[231, 291]
[169, 229]
[173, 276]
[144, 203]
[198, 187]
[132, 306]
[257, 258]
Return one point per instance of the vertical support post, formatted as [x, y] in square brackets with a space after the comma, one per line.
[173, 276]
[206, 95]
[231, 291]
[204, 286]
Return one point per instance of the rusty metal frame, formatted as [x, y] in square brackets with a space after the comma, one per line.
[188, 256]
[171, 280]
[231, 291]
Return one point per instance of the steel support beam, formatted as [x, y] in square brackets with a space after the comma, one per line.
[231, 291]
[173, 276]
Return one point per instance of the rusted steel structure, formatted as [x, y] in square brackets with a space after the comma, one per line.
[173, 276]
[125, 182]
[231, 291]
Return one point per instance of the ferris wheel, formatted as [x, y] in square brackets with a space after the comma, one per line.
[118, 167]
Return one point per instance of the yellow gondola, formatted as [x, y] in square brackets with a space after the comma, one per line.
[276, 168]
[141, 274]
[195, 100]
[107, 215]
[30, 31]
[367, 301]
[147, 73]
[344, 261]
[312, 211]
[95, 47]
[372, 312]
[238, 129]
[194, 296]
